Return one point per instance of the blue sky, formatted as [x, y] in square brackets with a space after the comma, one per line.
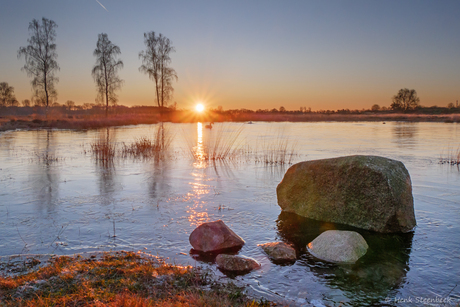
[252, 54]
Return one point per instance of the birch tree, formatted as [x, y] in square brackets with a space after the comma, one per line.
[105, 71]
[155, 63]
[41, 59]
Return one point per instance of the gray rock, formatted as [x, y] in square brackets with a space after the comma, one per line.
[338, 246]
[235, 263]
[368, 192]
[279, 251]
[214, 236]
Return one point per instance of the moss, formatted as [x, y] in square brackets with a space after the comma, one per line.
[367, 192]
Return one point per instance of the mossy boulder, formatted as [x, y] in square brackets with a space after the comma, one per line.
[367, 192]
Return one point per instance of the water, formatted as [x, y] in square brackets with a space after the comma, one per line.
[56, 197]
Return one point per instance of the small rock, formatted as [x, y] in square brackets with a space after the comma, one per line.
[338, 246]
[236, 263]
[214, 236]
[279, 251]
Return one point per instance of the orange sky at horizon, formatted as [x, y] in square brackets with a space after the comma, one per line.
[321, 55]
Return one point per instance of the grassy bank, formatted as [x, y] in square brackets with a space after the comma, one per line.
[119, 279]
[81, 122]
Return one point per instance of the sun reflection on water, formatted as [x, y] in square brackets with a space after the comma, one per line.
[197, 218]
[197, 213]
[199, 148]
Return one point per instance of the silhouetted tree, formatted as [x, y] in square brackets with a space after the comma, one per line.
[405, 99]
[7, 97]
[282, 109]
[40, 56]
[450, 105]
[69, 104]
[155, 63]
[375, 107]
[105, 71]
[26, 103]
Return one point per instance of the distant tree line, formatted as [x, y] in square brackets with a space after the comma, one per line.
[41, 65]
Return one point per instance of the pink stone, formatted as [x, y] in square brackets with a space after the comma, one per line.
[214, 236]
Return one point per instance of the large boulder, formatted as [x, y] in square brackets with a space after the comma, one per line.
[214, 236]
[237, 264]
[338, 246]
[368, 192]
[279, 251]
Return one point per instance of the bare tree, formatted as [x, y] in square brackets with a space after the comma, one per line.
[7, 97]
[26, 103]
[405, 99]
[105, 71]
[69, 104]
[40, 56]
[375, 107]
[155, 63]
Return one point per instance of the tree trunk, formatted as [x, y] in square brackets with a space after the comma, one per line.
[46, 95]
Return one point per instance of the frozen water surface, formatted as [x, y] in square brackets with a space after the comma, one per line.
[56, 197]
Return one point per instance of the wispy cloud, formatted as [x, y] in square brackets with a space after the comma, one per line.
[101, 5]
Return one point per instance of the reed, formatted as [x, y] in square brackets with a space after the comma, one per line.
[145, 147]
[222, 143]
[48, 158]
[103, 150]
[452, 157]
[275, 148]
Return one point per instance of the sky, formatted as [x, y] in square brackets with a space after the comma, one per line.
[254, 54]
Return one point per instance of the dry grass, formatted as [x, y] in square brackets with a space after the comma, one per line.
[322, 117]
[77, 123]
[105, 150]
[119, 279]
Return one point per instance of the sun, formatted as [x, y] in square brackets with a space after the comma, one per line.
[199, 108]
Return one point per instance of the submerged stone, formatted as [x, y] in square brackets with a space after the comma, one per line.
[338, 246]
[368, 192]
[235, 263]
[214, 236]
[279, 251]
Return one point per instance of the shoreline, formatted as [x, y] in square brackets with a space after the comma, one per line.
[8, 123]
[118, 278]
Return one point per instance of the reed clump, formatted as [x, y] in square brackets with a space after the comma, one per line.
[452, 157]
[106, 150]
[144, 147]
[275, 149]
[103, 150]
[221, 143]
[119, 279]
[48, 158]
[225, 144]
